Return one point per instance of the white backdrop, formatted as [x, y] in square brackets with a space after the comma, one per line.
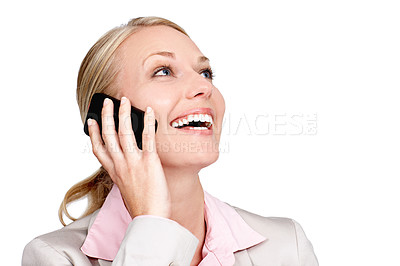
[312, 119]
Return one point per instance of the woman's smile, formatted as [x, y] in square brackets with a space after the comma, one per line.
[197, 121]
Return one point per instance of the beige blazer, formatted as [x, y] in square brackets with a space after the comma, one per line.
[286, 245]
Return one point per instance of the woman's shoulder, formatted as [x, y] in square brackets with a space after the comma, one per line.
[265, 225]
[63, 245]
[279, 232]
[74, 233]
[273, 227]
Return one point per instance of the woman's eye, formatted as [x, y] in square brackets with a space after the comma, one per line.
[164, 71]
[207, 73]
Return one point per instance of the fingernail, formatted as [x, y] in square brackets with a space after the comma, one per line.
[106, 101]
[123, 99]
[90, 122]
[148, 110]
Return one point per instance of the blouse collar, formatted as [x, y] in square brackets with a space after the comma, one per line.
[227, 232]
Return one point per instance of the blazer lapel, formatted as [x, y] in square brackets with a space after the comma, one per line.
[104, 263]
[242, 258]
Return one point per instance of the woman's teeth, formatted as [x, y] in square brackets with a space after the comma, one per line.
[205, 120]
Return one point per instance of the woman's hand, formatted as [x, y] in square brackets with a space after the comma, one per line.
[137, 173]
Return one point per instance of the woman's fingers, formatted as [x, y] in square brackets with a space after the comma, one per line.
[125, 132]
[148, 136]
[109, 134]
[141, 179]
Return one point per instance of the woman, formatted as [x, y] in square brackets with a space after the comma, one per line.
[147, 207]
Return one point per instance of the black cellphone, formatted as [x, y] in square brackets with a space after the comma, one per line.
[137, 116]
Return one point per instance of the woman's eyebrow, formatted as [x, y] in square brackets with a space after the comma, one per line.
[163, 53]
[203, 59]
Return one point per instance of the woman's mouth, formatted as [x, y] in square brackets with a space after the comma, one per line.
[196, 122]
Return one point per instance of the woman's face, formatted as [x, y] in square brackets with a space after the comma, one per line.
[163, 68]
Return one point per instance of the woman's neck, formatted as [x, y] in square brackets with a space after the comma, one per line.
[187, 197]
[187, 202]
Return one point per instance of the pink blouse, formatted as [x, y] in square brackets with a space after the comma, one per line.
[226, 233]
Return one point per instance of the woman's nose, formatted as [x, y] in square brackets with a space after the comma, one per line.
[199, 87]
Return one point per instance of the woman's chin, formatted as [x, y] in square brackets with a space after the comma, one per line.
[202, 160]
[195, 160]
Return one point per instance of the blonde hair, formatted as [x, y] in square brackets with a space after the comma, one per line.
[97, 74]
